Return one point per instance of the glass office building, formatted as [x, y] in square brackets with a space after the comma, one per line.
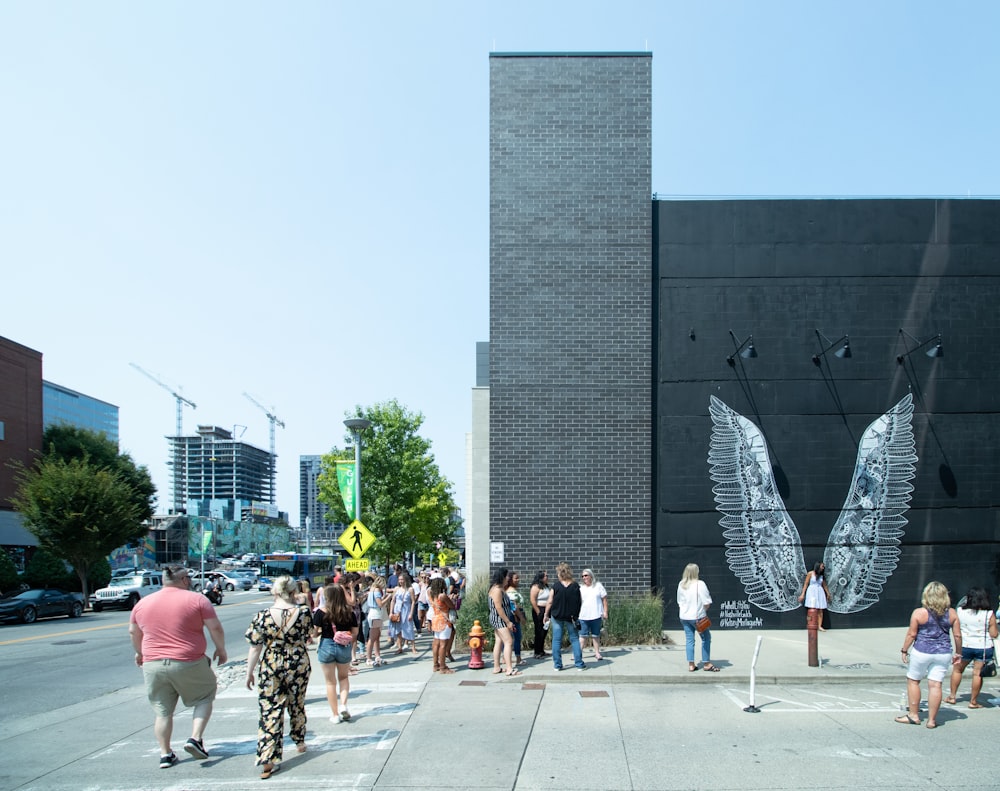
[60, 405]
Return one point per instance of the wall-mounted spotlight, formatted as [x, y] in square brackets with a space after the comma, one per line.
[826, 344]
[744, 349]
[937, 350]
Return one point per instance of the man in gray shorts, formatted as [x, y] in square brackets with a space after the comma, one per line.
[168, 634]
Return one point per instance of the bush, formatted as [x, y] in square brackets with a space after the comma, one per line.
[9, 578]
[475, 607]
[635, 619]
[45, 570]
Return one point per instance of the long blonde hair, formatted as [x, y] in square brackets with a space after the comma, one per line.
[936, 598]
[690, 575]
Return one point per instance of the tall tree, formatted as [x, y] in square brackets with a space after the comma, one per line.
[406, 502]
[69, 442]
[82, 498]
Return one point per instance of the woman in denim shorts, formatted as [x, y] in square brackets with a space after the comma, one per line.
[593, 611]
[979, 627]
[337, 627]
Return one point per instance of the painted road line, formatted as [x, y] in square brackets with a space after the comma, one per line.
[64, 634]
[123, 624]
[817, 702]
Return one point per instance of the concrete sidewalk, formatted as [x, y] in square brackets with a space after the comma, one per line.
[507, 728]
[783, 656]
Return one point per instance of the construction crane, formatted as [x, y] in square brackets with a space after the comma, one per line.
[181, 400]
[272, 418]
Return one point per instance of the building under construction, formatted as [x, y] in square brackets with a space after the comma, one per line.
[212, 466]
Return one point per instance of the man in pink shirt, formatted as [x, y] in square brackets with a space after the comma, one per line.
[168, 634]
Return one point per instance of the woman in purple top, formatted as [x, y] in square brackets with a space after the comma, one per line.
[927, 652]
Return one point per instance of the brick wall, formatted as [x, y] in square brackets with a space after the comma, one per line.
[571, 314]
[20, 412]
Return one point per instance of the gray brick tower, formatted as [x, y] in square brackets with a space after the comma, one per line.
[571, 359]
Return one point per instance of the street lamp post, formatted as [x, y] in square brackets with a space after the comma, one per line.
[356, 425]
[308, 545]
[211, 500]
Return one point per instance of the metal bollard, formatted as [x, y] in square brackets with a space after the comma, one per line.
[813, 616]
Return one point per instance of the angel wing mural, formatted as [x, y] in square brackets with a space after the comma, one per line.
[763, 548]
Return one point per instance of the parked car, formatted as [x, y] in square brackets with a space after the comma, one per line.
[130, 571]
[126, 591]
[224, 579]
[28, 606]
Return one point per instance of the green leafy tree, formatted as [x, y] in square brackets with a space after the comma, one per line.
[69, 442]
[405, 501]
[77, 511]
[9, 578]
[45, 570]
[100, 574]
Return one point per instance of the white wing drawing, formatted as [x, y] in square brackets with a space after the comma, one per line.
[764, 549]
[863, 547]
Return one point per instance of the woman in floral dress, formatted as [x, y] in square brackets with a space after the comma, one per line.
[277, 638]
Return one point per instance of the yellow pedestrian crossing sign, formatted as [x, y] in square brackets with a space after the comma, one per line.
[357, 539]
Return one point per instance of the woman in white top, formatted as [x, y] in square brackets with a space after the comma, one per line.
[815, 594]
[593, 611]
[979, 627]
[377, 599]
[538, 596]
[693, 600]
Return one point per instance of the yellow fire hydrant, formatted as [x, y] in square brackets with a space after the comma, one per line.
[477, 641]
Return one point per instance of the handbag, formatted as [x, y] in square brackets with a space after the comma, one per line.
[342, 638]
[989, 668]
[703, 624]
[395, 617]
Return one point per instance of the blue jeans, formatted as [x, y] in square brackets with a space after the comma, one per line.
[706, 641]
[517, 639]
[574, 643]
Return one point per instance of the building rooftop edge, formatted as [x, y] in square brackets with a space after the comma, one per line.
[662, 197]
[571, 54]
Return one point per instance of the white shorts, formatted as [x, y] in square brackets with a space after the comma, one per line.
[444, 634]
[933, 667]
[375, 614]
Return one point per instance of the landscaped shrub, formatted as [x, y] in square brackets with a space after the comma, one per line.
[633, 619]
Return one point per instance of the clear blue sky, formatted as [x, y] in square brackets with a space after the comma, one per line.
[292, 199]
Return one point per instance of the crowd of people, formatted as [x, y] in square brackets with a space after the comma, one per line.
[345, 619]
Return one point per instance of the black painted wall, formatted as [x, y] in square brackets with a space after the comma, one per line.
[781, 269]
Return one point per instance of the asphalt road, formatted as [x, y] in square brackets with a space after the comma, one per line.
[61, 661]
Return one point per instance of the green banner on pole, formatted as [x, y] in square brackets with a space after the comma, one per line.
[345, 480]
[206, 540]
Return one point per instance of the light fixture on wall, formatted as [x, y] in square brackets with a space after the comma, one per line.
[937, 350]
[744, 349]
[826, 344]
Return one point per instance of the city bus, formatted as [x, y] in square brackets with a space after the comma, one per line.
[315, 568]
